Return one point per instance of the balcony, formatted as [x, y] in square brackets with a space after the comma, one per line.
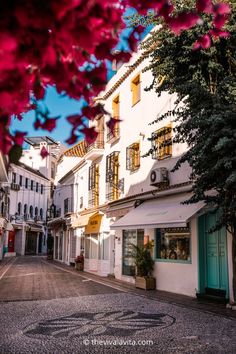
[114, 135]
[95, 150]
[15, 186]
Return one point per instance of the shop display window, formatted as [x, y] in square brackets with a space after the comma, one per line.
[173, 244]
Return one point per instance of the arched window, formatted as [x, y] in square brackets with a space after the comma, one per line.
[25, 209]
[31, 212]
[41, 214]
[19, 209]
[36, 211]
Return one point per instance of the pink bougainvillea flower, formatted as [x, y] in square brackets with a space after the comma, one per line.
[49, 124]
[204, 6]
[203, 42]
[19, 137]
[91, 112]
[44, 152]
[72, 139]
[112, 124]
[75, 119]
[90, 134]
[183, 21]
[222, 9]
[39, 91]
[216, 33]
[219, 21]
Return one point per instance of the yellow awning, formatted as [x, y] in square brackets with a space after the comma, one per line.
[82, 220]
[91, 222]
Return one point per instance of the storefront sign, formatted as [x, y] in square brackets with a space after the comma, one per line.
[94, 224]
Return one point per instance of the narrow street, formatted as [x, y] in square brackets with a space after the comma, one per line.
[46, 308]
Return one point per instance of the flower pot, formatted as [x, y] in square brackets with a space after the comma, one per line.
[79, 266]
[146, 283]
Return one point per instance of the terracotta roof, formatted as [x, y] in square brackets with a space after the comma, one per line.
[77, 150]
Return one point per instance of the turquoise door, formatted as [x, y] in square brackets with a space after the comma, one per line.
[213, 256]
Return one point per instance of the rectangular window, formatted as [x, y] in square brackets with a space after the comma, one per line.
[41, 188]
[115, 132]
[32, 185]
[26, 183]
[21, 181]
[66, 205]
[37, 187]
[112, 176]
[162, 143]
[133, 157]
[173, 244]
[13, 177]
[93, 185]
[136, 89]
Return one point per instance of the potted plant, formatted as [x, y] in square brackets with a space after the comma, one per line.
[144, 265]
[79, 262]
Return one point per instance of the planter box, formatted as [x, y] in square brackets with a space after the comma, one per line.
[146, 283]
[79, 266]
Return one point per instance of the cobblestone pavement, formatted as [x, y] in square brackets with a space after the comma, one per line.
[65, 312]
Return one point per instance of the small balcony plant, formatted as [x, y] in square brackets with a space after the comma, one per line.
[79, 262]
[144, 266]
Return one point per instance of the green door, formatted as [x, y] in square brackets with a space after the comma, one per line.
[214, 252]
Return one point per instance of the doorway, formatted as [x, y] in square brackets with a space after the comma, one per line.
[213, 267]
[11, 241]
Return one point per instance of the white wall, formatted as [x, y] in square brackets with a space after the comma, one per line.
[26, 195]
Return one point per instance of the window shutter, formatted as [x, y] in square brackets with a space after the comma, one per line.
[128, 159]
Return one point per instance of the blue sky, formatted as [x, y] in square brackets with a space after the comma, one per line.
[57, 105]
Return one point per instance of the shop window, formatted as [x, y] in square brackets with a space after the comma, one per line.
[104, 246]
[91, 246]
[130, 237]
[136, 89]
[133, 157]
[93, 185]
[112, 176]
[162, 143]
[115, 132]
[173, 244]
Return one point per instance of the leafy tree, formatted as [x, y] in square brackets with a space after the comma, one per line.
[205, 110]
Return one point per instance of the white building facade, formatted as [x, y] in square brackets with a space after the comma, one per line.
[29, 193]
[128, 198]
[4, 203]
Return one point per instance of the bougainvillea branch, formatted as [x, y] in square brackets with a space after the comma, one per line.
[66, 43]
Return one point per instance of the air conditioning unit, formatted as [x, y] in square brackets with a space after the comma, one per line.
[159, 177]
